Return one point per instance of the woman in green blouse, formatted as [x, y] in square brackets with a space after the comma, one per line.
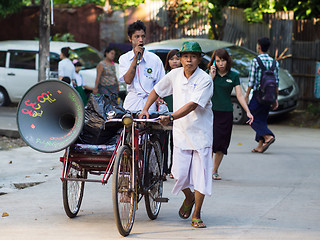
[224, 80]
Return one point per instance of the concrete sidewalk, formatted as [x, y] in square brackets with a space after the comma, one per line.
[274, 195]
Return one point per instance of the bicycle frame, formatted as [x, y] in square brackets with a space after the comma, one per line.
[142, 134]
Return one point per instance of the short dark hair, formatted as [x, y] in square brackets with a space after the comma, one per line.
[170, 54]
[136, 26]
[108, 49]
[66, 79]
[223, 54]
[65, 51]
[264, 43]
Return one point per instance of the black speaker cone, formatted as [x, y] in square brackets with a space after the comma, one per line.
[67, 121]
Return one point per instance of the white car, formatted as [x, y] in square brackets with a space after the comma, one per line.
[19, 63]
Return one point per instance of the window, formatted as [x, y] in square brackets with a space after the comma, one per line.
[3, 58]
[88, 57]
[22, 59]
[54, 61]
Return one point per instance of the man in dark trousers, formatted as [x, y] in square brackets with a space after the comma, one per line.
[260, 112]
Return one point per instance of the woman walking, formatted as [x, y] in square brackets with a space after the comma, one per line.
[224, 80]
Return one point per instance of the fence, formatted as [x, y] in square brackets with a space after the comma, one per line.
[164, 26]
[297, 40]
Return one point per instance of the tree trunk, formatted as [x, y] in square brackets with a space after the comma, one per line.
[44, 35]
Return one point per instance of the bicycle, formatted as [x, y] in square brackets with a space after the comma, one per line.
[137, 172]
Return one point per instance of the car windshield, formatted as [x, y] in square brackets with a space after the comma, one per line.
[241, 60]
[88, 57]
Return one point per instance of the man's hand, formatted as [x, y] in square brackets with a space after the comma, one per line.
[138, 49]
[143, 113]
[275, 105]
[164, 119]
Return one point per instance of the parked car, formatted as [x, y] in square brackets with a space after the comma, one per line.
[19, 64]
[242, 57]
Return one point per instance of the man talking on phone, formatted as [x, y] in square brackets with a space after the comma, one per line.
[139, 69]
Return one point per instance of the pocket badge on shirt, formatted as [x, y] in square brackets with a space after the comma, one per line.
[229, 80]
[148, 73]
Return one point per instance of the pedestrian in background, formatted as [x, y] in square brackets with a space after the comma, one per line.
[79, 83]
[66, 68]
[260, 112]
[106, 80]
[224, 81]
[172, 62]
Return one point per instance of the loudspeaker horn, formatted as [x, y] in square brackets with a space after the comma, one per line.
[50, 116]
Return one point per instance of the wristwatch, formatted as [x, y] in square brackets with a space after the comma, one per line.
[171, 117]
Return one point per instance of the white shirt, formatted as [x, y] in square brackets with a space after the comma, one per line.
[66, 69]
[148, 73]
[193, 131]
[79, 79]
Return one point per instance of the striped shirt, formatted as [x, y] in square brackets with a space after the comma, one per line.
[255, 70]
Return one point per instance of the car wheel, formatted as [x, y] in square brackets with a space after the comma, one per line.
[239, 115]
[4, 98]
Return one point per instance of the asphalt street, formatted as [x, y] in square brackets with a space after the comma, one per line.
[275, 195]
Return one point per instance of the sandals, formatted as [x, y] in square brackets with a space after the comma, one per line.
[186, 210]
[216, 176]
[197, 223]
[266, 145]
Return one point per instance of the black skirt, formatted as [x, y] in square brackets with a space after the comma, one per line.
[222, 128]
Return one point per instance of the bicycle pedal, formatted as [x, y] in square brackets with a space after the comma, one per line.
[161, 199]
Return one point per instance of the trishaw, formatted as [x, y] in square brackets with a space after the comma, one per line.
[50, 117]
[135, 163]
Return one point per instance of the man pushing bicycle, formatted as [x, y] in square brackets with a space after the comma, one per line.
[192, 90]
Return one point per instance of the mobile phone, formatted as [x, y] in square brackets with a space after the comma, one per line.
[214, 63]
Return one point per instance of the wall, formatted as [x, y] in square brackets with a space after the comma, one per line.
[82, 22]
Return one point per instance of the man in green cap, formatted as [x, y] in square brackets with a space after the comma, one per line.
[192, 90]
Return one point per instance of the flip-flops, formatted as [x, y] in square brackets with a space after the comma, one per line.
[255, 151]
[216, 176]
[186, 210]
[267, 144]
[197, 223]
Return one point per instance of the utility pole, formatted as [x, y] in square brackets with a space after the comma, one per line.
[44, 35]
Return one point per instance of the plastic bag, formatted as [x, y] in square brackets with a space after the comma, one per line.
[95, 131]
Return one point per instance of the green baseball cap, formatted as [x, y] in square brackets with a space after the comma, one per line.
[190, 46]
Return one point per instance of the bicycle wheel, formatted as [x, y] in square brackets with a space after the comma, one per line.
[153, 179]
[123, 194]
[72, 191]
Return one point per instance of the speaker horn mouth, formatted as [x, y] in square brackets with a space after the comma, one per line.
[67, 121]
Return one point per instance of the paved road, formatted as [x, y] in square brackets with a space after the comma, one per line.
[275, 195]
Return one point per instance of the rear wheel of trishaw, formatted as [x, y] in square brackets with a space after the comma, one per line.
[72, 191]
[154, 180]
[123, 192]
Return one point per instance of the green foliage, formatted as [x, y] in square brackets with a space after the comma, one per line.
[66, 37]
[123, 4]
[8, 7]
[314, 108]
[253, 15]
